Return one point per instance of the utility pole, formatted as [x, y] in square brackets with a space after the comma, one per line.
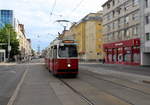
[38, 47]
[9, 47]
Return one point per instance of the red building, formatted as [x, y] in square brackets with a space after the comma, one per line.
[123, 52]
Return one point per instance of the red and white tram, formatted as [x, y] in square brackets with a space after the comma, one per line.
[61, 57]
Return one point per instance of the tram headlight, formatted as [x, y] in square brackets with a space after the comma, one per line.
[69, 65]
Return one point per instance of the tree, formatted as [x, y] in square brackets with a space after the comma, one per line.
[33, 52]
[14, 42]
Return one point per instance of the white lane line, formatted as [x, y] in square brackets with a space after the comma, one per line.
[13, 97]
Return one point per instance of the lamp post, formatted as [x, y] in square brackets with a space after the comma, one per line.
[9, 47]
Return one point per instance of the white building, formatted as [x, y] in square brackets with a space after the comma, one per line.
[127, 31]
[145, 32]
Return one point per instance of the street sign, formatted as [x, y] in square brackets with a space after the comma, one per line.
[9, 48]
[3, 43]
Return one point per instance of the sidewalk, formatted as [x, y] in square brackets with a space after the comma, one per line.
[130, 73]
[116, 65]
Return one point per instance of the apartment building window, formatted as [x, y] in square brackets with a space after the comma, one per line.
[108, 5]
[119, 1]
[126, 19]
[121, 21]
[108, 17]
[147, 36]
[116, 35]
[147, 19]
[108, 27]
[118, 10]
[119, 35]
[134, 30]
[115, 24]
[122, 34]
[128, 5]
[146, 3]
[135, 2]
[110, 36]
[135, 16]
[111, 26]
[113, 12]
[113, 2]
[128, 33]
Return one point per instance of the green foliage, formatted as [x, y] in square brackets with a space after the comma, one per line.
[4, 32]
[33, 52]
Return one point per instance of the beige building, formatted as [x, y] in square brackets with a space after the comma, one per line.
[93, 37]
[24, 43]
[88, 34]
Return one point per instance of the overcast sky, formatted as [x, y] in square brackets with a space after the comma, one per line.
[39, 16]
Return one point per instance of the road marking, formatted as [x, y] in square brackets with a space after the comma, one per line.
[13, 97]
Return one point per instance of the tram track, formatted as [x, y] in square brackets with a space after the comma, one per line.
[131, 102]
[126, 101]
[93, 99]
[115, 83]
[88, 101]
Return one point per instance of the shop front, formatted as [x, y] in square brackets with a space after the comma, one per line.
[123, 52]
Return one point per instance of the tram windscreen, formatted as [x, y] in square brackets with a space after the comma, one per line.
[67, 51]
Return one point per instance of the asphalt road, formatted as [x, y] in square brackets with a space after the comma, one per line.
[117, 86]
[9, 78]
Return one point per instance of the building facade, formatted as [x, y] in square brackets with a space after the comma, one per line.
[122, 33]
[88, 34]
[24, 42]
[145, 32]
[80, 39]
[93, 37]
[6, 17]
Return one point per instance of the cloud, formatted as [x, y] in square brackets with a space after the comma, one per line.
[35, 15]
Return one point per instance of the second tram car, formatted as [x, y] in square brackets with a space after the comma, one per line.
[62, 57]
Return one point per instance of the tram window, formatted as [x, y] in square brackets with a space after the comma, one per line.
[73, 51]
[55, 53]
[67, 51]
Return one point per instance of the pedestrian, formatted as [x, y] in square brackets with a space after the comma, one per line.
[15, 57]
[103, 61]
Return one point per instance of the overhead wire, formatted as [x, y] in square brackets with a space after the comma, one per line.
[53, 7]
[76, 7]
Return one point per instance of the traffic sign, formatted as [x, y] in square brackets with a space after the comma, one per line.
[3, 43]
[9, 48]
